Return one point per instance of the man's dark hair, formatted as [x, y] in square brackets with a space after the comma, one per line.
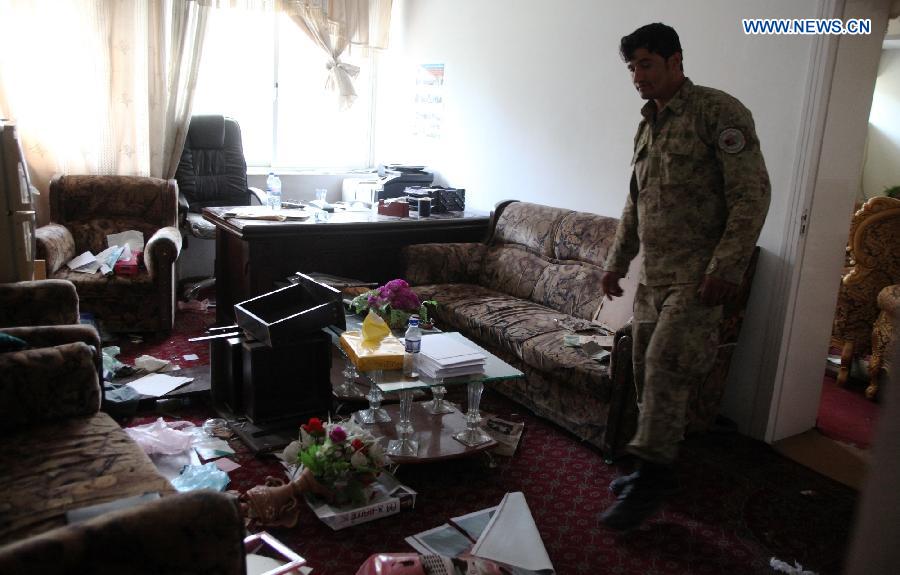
[656, 38]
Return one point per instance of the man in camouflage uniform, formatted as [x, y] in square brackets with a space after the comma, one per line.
[699, 196]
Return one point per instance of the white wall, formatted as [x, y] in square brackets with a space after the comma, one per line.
[882, 167]
[539, 107]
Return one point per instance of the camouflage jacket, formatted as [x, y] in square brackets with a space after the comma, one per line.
[699, 190]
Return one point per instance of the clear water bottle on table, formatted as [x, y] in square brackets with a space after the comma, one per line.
[413, 343]
[273, 188]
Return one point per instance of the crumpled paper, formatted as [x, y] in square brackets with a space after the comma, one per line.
[160, 437]
[154, 364]
[207, 476]
[374, 329]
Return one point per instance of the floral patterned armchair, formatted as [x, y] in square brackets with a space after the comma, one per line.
[870, 291]
[44, 315]
[83, 211]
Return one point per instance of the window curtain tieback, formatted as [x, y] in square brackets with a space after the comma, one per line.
[340, 77]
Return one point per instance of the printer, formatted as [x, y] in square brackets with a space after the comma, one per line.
[390, 182]
[395, 178]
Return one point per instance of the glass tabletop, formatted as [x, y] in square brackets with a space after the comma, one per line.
[494, 369]
[394, 380]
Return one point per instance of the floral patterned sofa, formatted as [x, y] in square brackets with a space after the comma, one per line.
[83, 211]
[535, 279]
[59, 452]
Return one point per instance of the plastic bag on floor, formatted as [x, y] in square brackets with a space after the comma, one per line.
[160, 437]
[207, 476]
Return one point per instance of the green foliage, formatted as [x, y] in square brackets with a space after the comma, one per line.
[892, 192]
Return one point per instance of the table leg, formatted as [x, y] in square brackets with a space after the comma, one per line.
[437, 405]
[405, 445]
[473, 434]
[375, 413]
[348, 387]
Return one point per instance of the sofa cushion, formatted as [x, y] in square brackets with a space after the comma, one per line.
[47, 383]
[572, 288]
[511, 269]
[584, 237]
[531, 226]
[68, 464]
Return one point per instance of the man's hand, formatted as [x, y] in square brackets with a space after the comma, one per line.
[716, 291]
[609, 283]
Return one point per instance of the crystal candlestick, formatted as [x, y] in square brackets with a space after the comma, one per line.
[405, 445]
[437, 405]
[473, 434]
[375, 413]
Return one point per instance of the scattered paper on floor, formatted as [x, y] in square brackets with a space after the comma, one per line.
[157, 384]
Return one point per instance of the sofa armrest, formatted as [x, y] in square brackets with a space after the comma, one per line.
[41, 302]
[889, 300]
[48, 383]
[196, 532]
[50, 335]
[55, 245]
[443, 263]
[162, 250]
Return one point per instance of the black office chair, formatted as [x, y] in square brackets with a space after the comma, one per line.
[212, 172]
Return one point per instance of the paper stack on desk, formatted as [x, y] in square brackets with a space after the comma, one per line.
[442, 355]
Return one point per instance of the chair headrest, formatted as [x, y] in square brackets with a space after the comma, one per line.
[206, 132]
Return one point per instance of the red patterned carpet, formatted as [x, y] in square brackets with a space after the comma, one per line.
[741, 505]
[845, 414]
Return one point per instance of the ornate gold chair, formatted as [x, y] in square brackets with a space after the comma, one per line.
[869, 291]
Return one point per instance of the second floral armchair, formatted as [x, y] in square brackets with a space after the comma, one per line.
[83, 211]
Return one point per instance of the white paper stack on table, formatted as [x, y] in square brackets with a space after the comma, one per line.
[442, 355]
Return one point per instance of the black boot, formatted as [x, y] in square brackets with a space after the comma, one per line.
[639, 498]
[618, 485]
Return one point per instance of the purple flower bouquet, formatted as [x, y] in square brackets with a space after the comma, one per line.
[394, 302]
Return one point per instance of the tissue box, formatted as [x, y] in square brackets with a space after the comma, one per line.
[131, 266]
[387, 355]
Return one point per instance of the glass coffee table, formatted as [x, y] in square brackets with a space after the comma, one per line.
[434, 420]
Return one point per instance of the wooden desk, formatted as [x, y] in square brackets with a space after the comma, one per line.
[251, 255]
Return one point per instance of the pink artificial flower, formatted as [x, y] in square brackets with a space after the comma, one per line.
[337, 434]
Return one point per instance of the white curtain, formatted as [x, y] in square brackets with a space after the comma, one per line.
[176, 45]
[337, 26]
[99, 86]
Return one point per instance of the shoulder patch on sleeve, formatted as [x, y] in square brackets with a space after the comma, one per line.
[732, 140]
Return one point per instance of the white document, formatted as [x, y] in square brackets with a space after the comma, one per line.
[448, 351]
[512, 538]
[132, 238]
[157, 384]
[434, 371]
[82, 260]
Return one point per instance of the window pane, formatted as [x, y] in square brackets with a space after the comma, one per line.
[237, 76]
[312, 131]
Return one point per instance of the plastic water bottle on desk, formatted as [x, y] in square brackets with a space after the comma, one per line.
[413, 343]
[273, 188]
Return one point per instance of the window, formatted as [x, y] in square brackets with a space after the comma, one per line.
[246, 55]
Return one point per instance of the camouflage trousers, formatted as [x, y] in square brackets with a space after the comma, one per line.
[675, 340]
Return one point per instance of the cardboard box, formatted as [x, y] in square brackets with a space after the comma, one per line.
[390, 498]
[387, 355]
